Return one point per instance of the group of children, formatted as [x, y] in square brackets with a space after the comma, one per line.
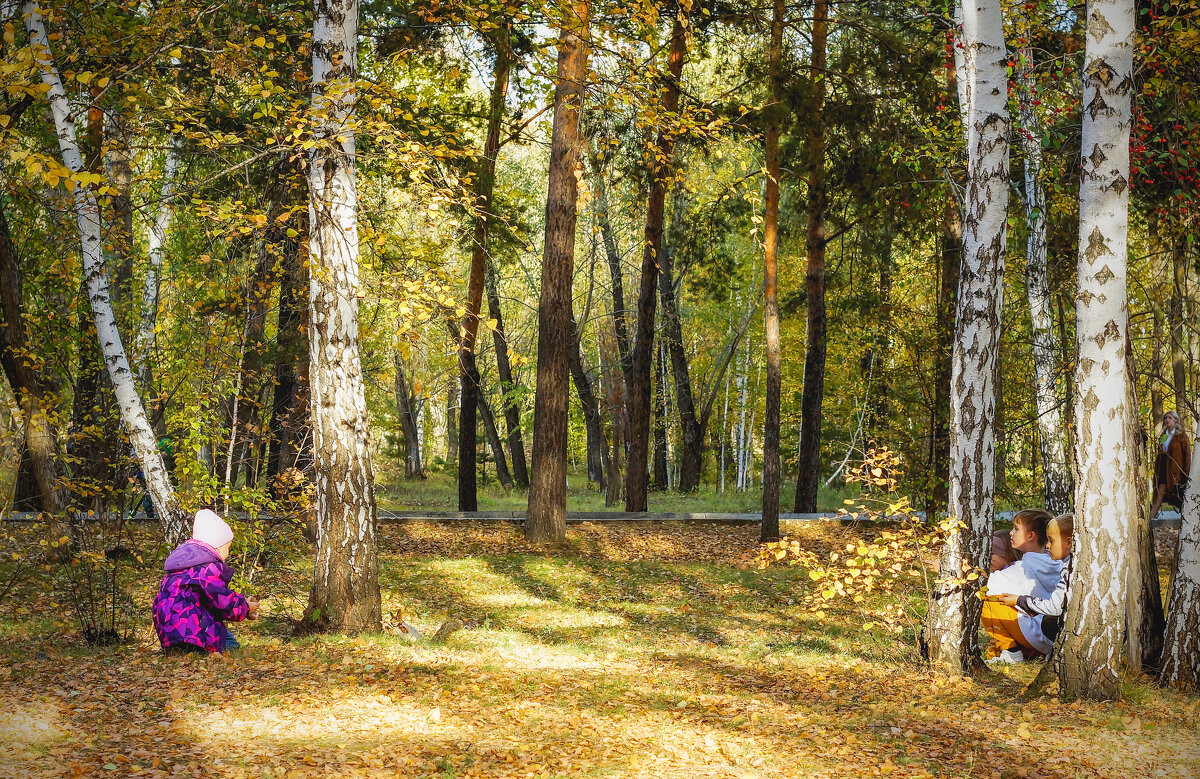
[1026, 591]
[1023, 605]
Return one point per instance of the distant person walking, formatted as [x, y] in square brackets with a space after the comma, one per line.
[1171, 465]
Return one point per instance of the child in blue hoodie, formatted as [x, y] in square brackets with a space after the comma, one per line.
[1017, 635]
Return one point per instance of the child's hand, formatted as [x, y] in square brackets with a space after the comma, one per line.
[253, 613]
[1006, 599]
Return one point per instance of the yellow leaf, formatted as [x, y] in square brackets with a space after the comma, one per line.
[260, 41]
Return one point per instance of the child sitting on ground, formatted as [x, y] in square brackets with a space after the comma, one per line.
[1016, 635]
[195, 601]
[1050, 609]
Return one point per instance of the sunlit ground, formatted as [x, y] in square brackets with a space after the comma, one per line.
[631, 652]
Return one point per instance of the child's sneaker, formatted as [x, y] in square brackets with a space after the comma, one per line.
[1011, 656]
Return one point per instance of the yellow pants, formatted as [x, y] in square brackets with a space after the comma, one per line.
[1000, 622]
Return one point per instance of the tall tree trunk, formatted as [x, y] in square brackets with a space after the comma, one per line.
[1144, 620]
[407, 409]
[1089, 658]
[1181, 651]
[87, 214]
[485, 184]
[1056, 478]
[492, 432]
[546, 519]
[770, 501]
[612, 255]
[954, 613]
[597, 444]
[40, 437]
[345, 593]
[512, 410]
[692, 456]
[157, 242]
[808, 464]
[642, 360]
[289, 407]
[452, 422]
[613, 386]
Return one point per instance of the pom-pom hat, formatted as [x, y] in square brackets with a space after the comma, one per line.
[211, 529]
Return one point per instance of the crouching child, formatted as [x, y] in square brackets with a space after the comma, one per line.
[1048, 610]
[195, 601]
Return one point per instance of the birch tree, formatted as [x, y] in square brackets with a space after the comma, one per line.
[954, 612]
[345, 594]
[156, 245]
[1089, 659]
[1181, 653]
[87, 217]
[1056, 477]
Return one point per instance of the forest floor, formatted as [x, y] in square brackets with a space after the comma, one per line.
[628, 652]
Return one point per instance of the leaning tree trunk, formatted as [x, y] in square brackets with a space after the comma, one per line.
[485, 184]
[770, 501]
[642, 360]
[608, 237]
[87, 214]
[345, 593]
[492, 433]
[546, 519]
[691, 457]
[597, 444]
[1056, 476]
[953, 621]
[512, 410]
[1089, 658]
[808, 463]
[40, 438]
[1181, 653]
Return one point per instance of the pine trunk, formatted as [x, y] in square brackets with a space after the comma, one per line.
[1089, 658]
[87, 214]
[345, 594]
[1181, 652]
[642, 361]
[953, 621]
[546, 519]
[1056, 477]
[808, 463]
[770, 502]
[661, 478]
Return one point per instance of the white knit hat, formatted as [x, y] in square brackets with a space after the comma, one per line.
[211, 529]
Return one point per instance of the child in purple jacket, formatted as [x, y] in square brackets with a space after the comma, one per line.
[195, 601]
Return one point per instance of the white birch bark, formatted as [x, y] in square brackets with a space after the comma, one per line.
[1181, 651]
[1088, 661]
[345, 592]
[1056, 477]
[87, 215]
[156, 241]
[954, 613]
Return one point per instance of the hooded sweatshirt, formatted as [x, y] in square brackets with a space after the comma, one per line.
[195, 600]
[1035, 575]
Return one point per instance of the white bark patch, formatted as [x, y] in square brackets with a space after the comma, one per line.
[1091, 650]
[954, 614]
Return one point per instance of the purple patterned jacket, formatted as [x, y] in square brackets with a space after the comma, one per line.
[194, 599]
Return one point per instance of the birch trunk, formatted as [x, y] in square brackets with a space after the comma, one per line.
[345, 594]
[954, 613]
[157, 242]
[87, 215]
[642, 360]
[546, 519]
[1056, 476]
[769, 530]
[1181, 653]
[1089, 658]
